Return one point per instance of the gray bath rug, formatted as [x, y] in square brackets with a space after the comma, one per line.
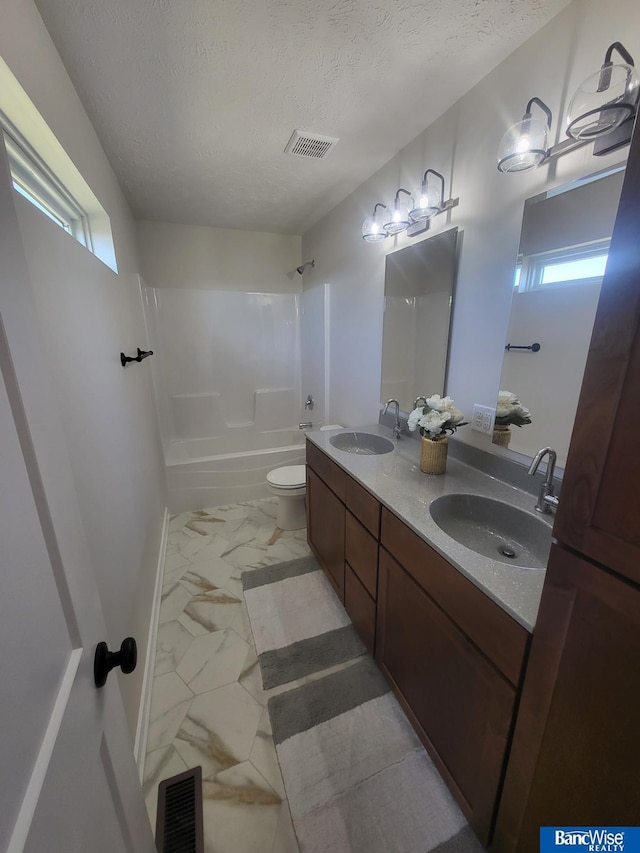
[356, 776]
[299, 626]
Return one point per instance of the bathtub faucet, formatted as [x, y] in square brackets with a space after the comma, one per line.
[306, 425]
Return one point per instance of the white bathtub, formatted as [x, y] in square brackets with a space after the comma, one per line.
[231, 468]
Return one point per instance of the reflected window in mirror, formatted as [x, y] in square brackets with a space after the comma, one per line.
[561, 262]
[419, 289]
[566, 266]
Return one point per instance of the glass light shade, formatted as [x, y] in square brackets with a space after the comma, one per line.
[397, 217]
[594, 113]
[372, 230]
[426, 203]
[524, 146]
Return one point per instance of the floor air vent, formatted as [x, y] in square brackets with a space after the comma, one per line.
[179, 820]
[310, 145]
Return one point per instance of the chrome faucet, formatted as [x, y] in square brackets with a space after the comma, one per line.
[417, 400]
[397, 430]
[546, 498]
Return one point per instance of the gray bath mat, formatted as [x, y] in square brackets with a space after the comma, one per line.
[299, 626]
[356, 776]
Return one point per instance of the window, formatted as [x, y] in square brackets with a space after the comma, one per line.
[568, 266]
[33, 179]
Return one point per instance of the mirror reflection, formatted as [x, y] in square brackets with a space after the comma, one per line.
[418, 289]
[562, 255]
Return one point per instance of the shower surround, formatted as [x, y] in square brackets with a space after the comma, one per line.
[227, 379]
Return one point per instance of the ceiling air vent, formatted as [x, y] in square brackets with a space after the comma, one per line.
[310, 145]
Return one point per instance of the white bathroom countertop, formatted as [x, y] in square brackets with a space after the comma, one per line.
[396, 481]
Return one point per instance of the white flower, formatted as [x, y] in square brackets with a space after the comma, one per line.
[509, 410]
[433, 422]
[413, 419]
[438, 403]
[505, 404]
[437, 415]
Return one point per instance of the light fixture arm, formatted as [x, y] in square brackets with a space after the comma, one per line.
[605, 71]
[624, 53]
[545, 109]
[379, 204]
[438, 175]
[402, 190]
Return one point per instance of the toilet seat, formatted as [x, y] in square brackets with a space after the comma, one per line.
[288, 477]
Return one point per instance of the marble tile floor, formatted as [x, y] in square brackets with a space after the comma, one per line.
[208, 706]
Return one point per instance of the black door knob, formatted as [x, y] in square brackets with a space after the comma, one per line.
[104, 660]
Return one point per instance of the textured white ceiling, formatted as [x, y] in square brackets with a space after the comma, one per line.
[195, 100]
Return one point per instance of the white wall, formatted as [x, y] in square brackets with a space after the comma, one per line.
[88, 315]
[462, 144]
[194, 256]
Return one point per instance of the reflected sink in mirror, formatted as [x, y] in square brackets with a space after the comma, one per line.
[494, 529]
[363, 443]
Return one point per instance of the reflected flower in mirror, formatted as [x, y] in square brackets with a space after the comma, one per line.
[437, 417]
[509, 410]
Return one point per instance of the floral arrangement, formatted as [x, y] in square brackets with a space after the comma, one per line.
[437, 417]
[509, 410]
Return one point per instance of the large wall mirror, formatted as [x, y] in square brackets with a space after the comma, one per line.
[418, 288]
[562, 255]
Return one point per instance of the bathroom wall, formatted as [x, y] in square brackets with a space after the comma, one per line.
[199, 257]
[88, 315]
[461, 144]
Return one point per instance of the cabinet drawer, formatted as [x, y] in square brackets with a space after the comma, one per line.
[327, 470]
[361, 552]
[360, 607]
[503, 640]
[364, 506]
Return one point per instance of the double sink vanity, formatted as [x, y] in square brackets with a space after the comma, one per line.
[442, 578]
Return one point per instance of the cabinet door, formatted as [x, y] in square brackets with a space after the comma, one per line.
[459, 704]
[600, 500]
[576, 749]
[325, 531]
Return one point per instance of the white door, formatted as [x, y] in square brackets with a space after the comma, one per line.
[68, 781]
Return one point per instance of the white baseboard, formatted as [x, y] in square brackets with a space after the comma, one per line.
[142, 729]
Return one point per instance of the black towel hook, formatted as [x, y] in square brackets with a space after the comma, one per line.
[125, 359]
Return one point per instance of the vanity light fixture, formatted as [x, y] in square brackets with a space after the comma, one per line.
[601, 111]
[606, 99]
[428, 200]
[525, 145]
[412, 216]
[398, 218]
[372, 230]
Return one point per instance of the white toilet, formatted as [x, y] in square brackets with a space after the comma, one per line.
[289, 485]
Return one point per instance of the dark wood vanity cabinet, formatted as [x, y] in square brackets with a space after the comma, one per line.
[576, 747]
[343, 528]
[454, 660]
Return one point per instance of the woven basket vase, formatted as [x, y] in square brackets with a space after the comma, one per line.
[433, 455]
[502, 436]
